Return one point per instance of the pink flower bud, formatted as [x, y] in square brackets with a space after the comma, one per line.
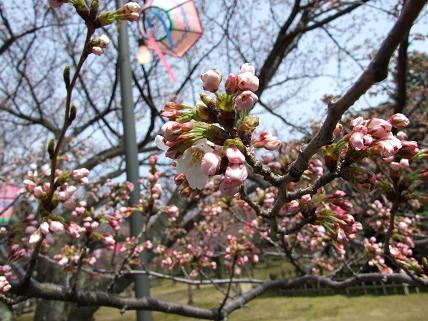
[63, 196]
[306, 198]
[79, 173]
[247, 81]
[402, 226]
[148, 245]
[234, 155]
[356, 140]
[404, 163]
[395, 166]
[172, 211]
[130, 11]
[245, 101]
[231, 85]
[56, 227]
[39, 192]
[235, 174]
[408, 148]
[399, 121]
[97, 50]
[401, 135]
[171, 129]
[378, 128]
[211, 80]
[247, 67]
[387, 146]
[29, 185]
[210, 164]
[357, 121]
[338, 130]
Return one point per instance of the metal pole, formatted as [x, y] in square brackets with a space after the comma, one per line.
[142, 286]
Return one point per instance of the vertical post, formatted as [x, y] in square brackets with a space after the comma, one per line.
[142, 287]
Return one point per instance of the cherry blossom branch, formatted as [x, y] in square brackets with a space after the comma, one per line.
[54, 292]
[247, 199]
[49, 291]
[261, 169]
[376, 72]
[229, 286]
[46, 204]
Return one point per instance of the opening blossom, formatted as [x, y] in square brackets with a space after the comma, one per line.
[190, 162]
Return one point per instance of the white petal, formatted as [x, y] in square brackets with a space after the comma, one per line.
[196, 178]
[160, 144]
[184, 162]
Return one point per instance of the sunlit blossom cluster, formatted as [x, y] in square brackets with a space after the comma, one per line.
[212, 138]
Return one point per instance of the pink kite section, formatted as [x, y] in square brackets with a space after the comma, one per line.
[8, 194]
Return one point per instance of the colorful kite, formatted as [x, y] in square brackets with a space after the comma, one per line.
[168, 27]
[8, 194]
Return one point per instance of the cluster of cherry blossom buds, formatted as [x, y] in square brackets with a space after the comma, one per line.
[375, 135]
[173, 212]
[16, 252]
[4, 284]
[99, 44]
[80, 209]
[321, 264]
[379, 216]
[201, 139]
[80, 175]
[30, 224]
[65, 192]
[402, 254]
[402, 164]
[189, 256]
[315, 169]
[75, 230]
[47, 230]
[243, 87]
[375, 251]
[129, 11]
[68, 255]
[236, 171]
[266, 140]
[339, 225]
[241, 249]
[271, 161]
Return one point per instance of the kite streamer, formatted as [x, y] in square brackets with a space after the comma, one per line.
[153, 45]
